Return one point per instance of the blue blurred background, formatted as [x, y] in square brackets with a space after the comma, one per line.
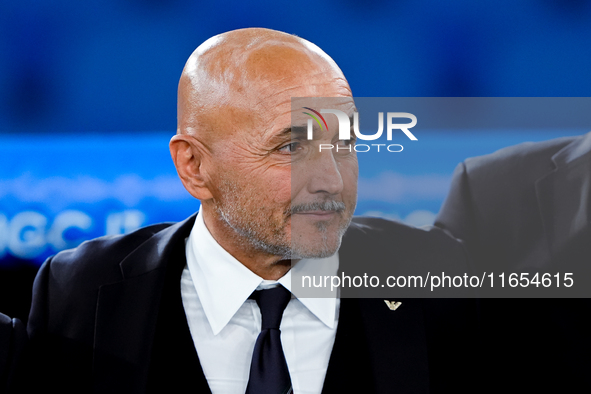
[88, 101]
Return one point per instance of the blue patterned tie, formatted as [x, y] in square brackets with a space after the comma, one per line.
[268, 368]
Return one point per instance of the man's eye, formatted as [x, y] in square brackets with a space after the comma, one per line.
[346, 142]
[289, 148]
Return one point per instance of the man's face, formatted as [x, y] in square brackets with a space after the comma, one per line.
[276, 189]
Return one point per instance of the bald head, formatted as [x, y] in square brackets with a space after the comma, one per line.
[235, 150]
[233, 78]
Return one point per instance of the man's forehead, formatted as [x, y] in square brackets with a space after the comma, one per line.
[245, 80]
[277, 114]
[318, 108]
[294, 123]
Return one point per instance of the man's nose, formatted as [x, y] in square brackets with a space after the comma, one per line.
[325, 175]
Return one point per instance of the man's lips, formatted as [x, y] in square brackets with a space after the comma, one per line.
[318, 210]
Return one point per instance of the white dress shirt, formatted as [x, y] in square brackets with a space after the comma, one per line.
[225, 324]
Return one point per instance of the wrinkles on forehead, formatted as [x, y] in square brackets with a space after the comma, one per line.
[233, 79]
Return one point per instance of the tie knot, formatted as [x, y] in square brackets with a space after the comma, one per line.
[272, 303]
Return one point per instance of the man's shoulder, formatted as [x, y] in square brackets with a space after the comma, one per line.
[386, 248]
[407, 242]
[371, 226]
[531, 158]
[100, 257]
[376, 227]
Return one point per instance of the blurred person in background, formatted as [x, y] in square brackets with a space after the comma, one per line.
[13, 340]
[527, 208]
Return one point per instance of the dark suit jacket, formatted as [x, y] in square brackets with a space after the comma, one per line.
[528, 208]
[524, 206]
[107, 317]
[13, 339]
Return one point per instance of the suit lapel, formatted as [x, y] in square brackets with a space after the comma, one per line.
[127, 313]
[564, 197]
[174, 357]
[125, 321]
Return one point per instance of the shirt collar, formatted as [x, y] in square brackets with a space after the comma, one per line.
[323, 308]
[223, 284]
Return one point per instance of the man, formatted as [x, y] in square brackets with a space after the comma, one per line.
[170, 308]
[525, 208]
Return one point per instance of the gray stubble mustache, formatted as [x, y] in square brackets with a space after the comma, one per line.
[330, 205]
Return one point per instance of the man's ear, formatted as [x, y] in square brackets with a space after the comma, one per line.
[188, 160]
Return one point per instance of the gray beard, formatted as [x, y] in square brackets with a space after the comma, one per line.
[252, 235]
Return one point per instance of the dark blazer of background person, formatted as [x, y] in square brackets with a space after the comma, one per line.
[13, 339]
[528, 208]
[117, 323]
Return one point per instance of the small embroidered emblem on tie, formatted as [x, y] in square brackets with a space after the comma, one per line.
[393, 305]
